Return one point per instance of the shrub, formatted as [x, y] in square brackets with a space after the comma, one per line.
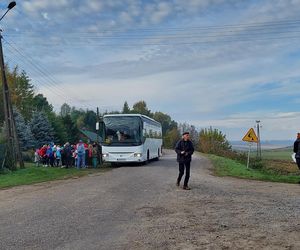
[213, 141]
[256, 163]
[4, 171]
[28, 156]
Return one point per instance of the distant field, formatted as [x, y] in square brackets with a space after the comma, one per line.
[276, 154]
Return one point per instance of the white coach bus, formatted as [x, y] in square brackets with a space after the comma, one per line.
[130, 138]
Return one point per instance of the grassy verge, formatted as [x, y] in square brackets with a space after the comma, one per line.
[32, 175]
[227, 167]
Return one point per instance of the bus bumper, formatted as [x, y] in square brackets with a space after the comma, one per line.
[122, 157]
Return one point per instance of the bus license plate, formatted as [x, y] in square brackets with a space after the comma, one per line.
[121, 159]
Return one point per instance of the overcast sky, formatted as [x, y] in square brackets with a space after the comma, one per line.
[220, 63]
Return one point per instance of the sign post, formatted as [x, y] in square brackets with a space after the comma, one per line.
[250, 137]
[248, 160]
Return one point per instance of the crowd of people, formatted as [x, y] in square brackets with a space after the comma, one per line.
[80, 155]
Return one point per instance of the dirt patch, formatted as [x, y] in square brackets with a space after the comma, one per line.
[282, 167]
[150, 212]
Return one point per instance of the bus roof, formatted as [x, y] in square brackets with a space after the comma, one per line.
[137, 115]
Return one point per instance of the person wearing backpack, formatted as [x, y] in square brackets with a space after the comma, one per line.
[80, 155]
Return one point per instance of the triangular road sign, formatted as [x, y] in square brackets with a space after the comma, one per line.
[250, 136]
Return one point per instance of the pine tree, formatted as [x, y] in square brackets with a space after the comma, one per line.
[30, 140]
[25, 136]
[41, 129]
[126, 109]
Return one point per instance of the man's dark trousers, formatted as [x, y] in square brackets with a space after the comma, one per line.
[187, 166]
[298, 162]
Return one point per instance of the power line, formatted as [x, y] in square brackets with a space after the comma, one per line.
[221, 32]
[271, 24]
[44, 79]
[185, 34]
[177, 40]
[38, 67]
[45, 75]
[171, 43]
[246, 32]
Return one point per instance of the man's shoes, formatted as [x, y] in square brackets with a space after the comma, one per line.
[186, 188]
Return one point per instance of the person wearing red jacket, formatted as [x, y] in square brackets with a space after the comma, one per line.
[43, 154]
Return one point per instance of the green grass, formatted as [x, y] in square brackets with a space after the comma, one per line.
[32, 175]
[227, 167]
[276, 154]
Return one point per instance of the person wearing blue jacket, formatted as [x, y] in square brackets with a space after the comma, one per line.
[184, 149]
[50, 155]
[80, 155]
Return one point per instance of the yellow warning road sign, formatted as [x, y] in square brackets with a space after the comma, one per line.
[250, 136]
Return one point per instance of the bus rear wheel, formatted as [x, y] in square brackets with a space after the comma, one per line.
[148, 157]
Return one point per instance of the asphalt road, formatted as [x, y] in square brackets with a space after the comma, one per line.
[139, 207]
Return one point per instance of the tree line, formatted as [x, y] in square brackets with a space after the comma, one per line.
[37, 123]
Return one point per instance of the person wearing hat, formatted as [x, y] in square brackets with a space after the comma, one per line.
[184, 149]
[297, 150]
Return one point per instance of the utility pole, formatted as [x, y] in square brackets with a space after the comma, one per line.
[97, 125]
[10, 159]
[98, 143]
[258, 154]
[13, 151]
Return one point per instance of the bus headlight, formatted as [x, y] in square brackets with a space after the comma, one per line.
[105, 155]
[137, 155]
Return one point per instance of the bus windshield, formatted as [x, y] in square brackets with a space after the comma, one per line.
[122, 131]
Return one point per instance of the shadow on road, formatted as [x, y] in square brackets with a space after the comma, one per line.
[150, 163]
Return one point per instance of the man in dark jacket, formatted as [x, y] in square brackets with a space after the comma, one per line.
[68, 155]
[297, 150]
[184, 149]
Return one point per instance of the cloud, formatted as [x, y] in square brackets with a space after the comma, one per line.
[125, 18]
[37, 5]
[94, 5]
[162, 11]
[195, 5]
[164, 51]
[45, 15]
